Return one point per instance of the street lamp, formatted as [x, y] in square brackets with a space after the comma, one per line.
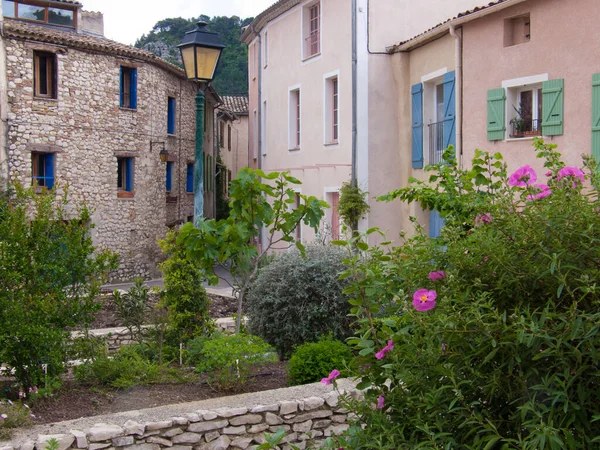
[200, 53]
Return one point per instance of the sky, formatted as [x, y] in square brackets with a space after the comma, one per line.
[127, 20]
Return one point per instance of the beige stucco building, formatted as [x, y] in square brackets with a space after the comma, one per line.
[95, 114]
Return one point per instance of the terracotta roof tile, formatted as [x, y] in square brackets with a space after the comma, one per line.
[21, 30]
[72, 2]
[235, 104]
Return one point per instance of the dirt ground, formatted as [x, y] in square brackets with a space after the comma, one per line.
[73, 401]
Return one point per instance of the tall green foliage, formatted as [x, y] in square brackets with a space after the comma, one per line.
[231, 77]
[50, 277]
[254, 206]
[489, 336]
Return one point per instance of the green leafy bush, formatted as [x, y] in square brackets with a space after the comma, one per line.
[184, 295]
[296, 300]
[489, 336]
[51, 274]
[228, 359]
[133, 306]
[12, 415]
[314, 361]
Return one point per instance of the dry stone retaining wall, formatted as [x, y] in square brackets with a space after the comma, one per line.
[308, 423]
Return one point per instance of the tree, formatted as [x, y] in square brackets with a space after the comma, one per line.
[254, 206]
[50, 277]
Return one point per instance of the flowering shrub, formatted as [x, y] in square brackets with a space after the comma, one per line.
[314, 361]
[502, 351]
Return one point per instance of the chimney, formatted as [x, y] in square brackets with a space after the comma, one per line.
[92, 23]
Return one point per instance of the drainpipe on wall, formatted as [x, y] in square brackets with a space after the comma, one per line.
[3, 109]
[458, 88]
[354, 95]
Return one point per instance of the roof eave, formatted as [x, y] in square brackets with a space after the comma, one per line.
[265, 17]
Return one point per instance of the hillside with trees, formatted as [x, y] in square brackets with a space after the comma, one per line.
[232, 74]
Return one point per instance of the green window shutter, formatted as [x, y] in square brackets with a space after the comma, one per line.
[596, 116]
[552, 107]
[496, 114]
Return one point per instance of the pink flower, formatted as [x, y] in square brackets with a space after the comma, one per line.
[522, 176]
[33, 390]
[3, 416]
[437, 275]
[9, 402]
[424, 300]
[332, 376]
[381, 353]
[571, 171]
[544, 191]
[21, 394]
[482, 219]
[380, 402]
[548, 174]
[444, 347]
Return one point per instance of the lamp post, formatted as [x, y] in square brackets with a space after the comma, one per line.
[200, 53]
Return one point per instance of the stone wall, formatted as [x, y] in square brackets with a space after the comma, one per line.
[87, 130]
[308, 422]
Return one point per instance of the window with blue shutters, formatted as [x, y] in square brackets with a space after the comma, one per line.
[128, 88]
[42, 169]
[189, 183]
[169, 183]
[171, 116]
[125, 174]
[417, 126]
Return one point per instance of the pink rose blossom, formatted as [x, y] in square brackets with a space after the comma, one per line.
[544, 191]
[380, 402]
[571, 172]
[482, 219]
[548, 174]
[381, 353]
[424, 300]
[332, 376]
[522, 176]
[437, 275]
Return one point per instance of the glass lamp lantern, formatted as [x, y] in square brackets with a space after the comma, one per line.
[200, 52]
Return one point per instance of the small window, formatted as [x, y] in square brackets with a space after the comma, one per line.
[125, 174]
[525, 119]
[229, 137]
[264, 128]
[517, 30]
[42, 170]
[221, 134]
[189, 180]
[331, 110]
[169, 177]
[128, 90]
[45, 74]
[171, 116]
[312, 30]
[64, 17]
[294, 120]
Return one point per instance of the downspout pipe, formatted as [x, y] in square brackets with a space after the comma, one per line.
[354, 93]
[459, 93]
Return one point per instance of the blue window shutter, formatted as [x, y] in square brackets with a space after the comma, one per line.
[49, 170]
[133, 99]
[169, 176]
[121, 95]
[171, 116]
[449, 110]
[436, 223]
[129, 174]
[417, 126]
[189, 185]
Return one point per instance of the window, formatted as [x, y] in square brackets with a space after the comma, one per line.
[266, 55]
[42, 170]
[525, 119]
[221, 134]
[331, 110]
[189, 179]
[294, 119]
[125, 174]
[517, 30]
[208, 173]
[229, 137]
[171, 116]
[45, 14]
[169, 179]
[312, 29]
[128, 90]
[333, 198]
[44, 74]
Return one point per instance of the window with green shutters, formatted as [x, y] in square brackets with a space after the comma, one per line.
[496, 114]
[553, 107]
[596, 116]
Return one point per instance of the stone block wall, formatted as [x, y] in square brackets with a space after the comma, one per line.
[308, 422]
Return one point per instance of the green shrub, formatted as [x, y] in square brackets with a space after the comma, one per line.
[133, 307]
[126, 369]
[184, 295]
[12, 416]
[228, 359]
[506, 355]
[313, 361]
[296, 300]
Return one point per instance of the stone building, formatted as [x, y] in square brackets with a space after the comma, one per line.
[95, 114]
